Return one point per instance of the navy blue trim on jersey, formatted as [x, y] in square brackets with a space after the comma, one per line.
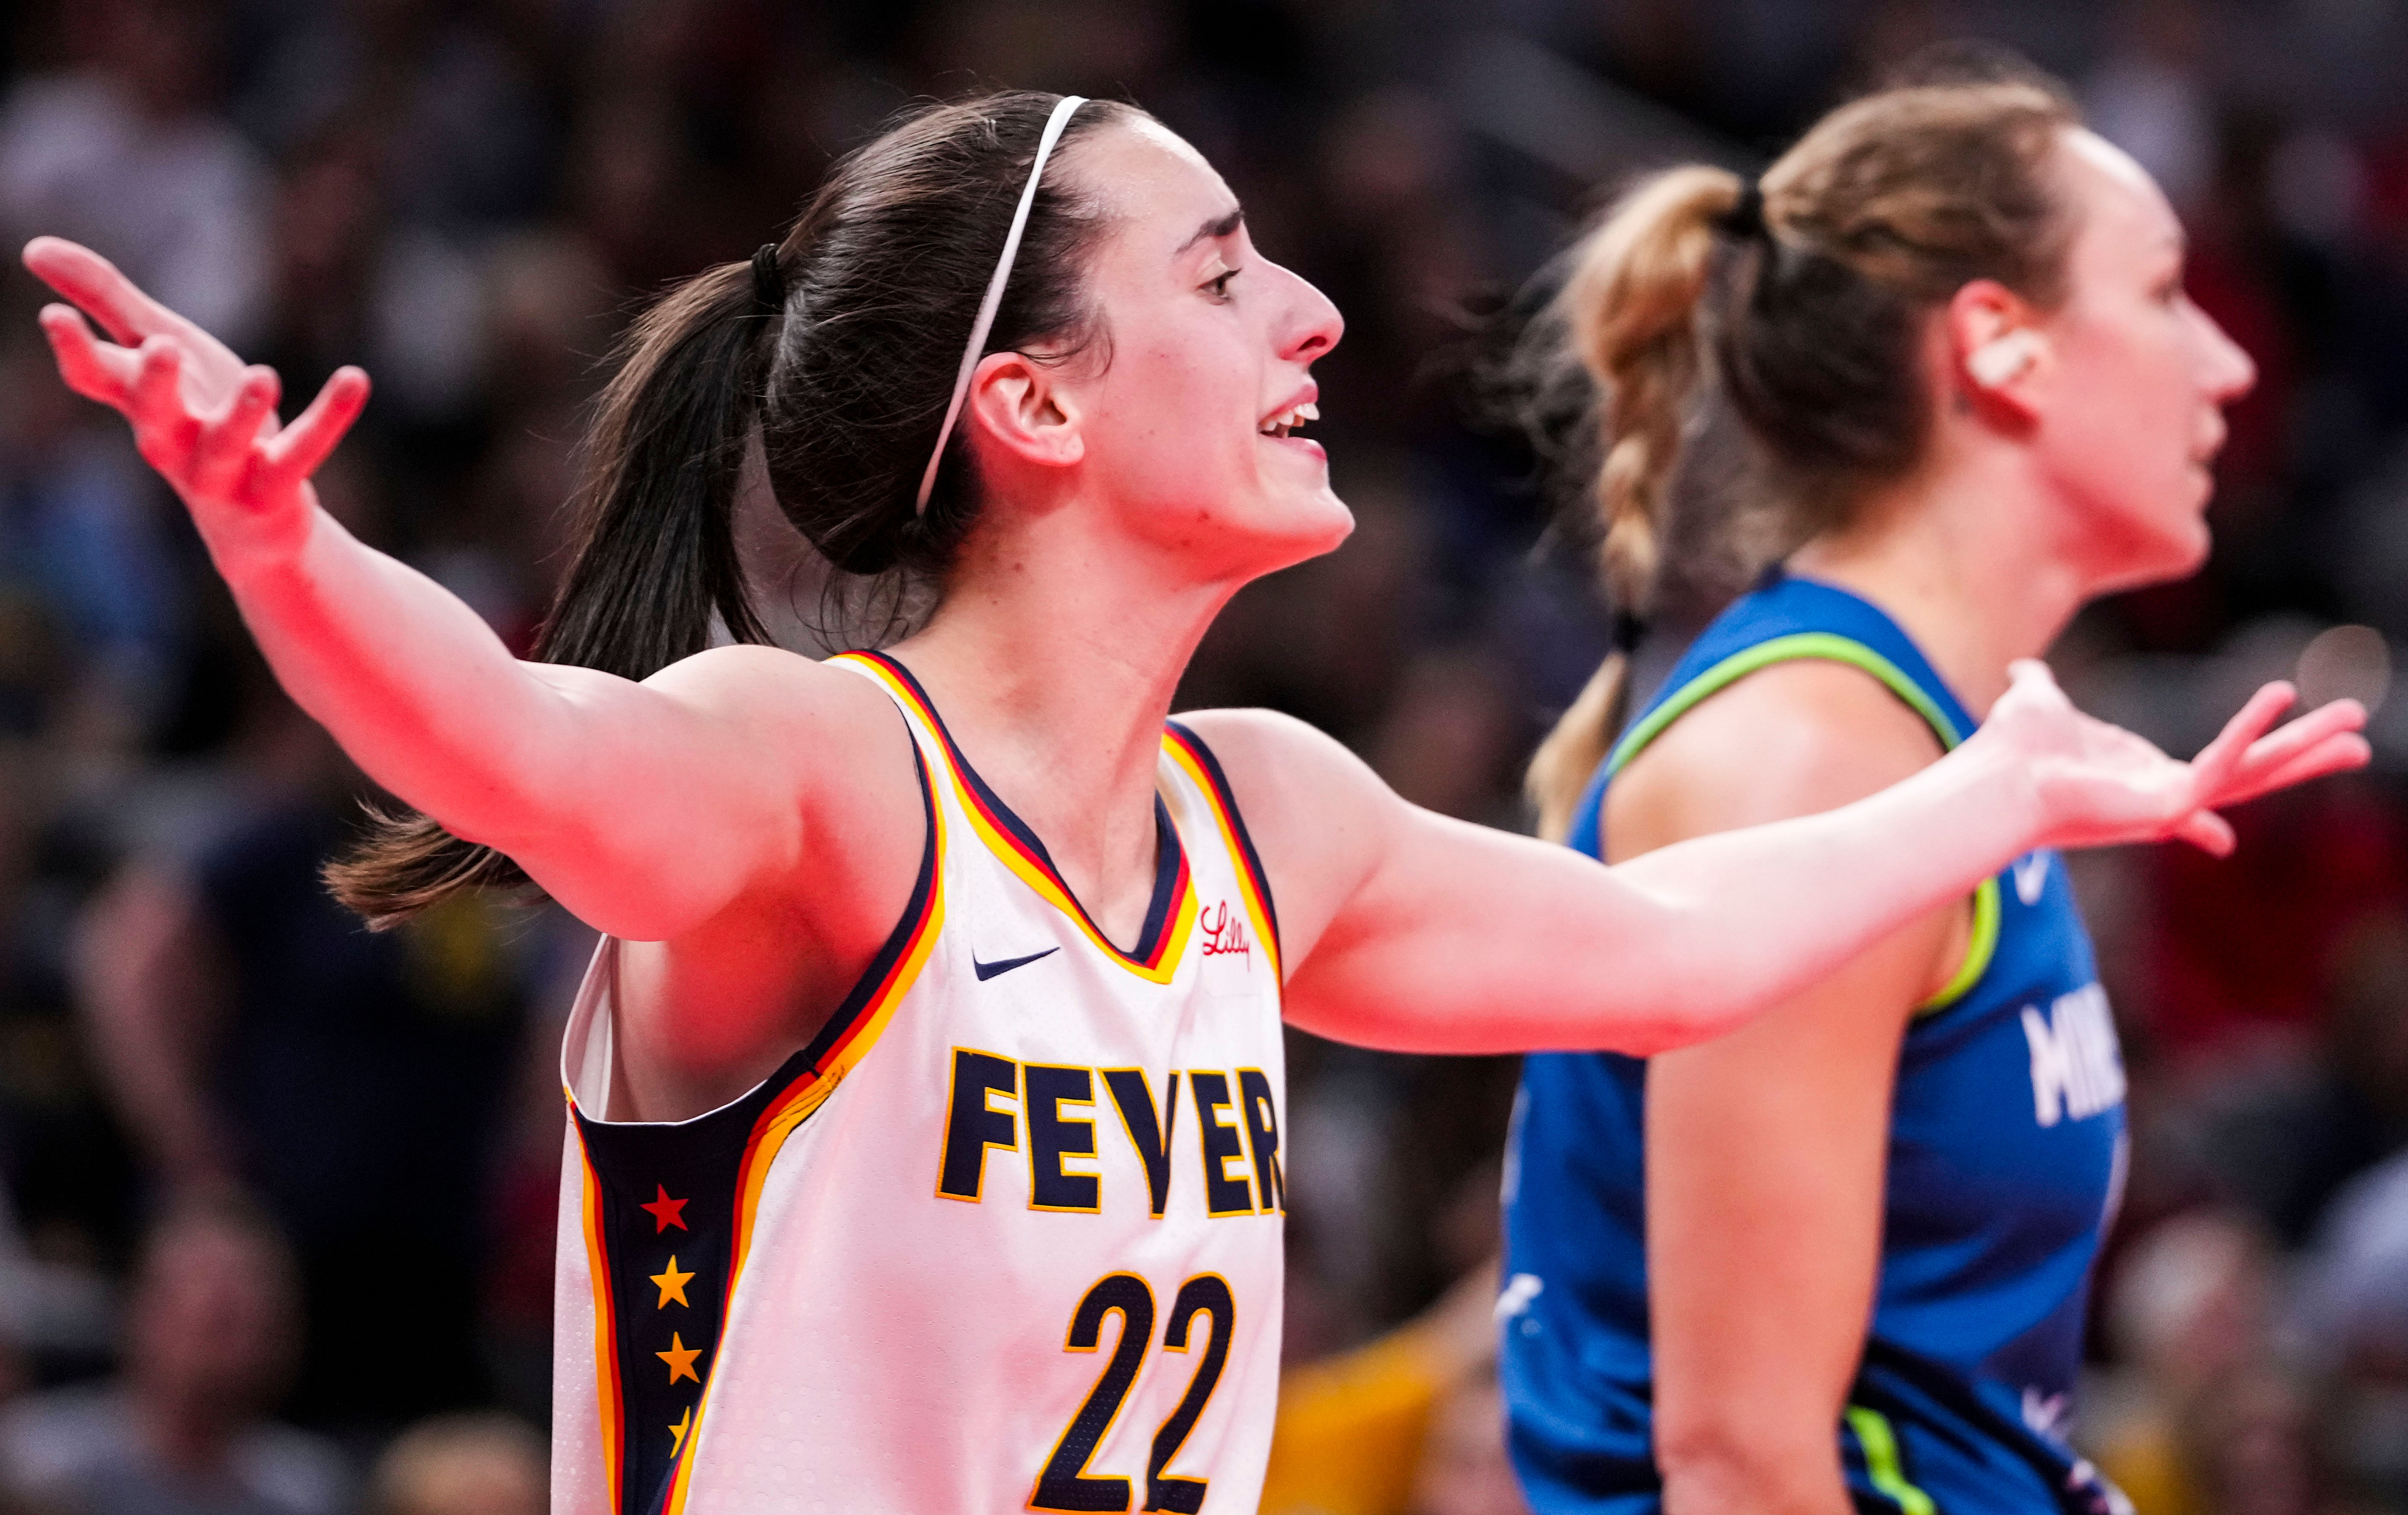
[666, 1196]
[865, 989]
[669, 1199]
[1253, 861]
[1170, 857]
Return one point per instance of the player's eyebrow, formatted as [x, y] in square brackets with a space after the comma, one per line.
[1220, 228]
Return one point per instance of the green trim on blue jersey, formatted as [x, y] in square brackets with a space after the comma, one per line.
[1979, 945]
[1804, 644]
[1882, 1465]
[1829, 648]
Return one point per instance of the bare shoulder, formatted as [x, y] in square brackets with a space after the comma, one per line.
[771, 683]
[1255, 739]
[1795, 738]
[1317, 813]
[1281, 768]
[816, 710]
[824, 744]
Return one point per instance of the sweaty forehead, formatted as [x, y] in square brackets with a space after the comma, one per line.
[1154, 183]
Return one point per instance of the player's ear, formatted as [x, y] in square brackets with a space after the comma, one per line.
[1994, 343]
[1015, 405]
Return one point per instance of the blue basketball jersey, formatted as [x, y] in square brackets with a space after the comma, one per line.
[2005, 1154]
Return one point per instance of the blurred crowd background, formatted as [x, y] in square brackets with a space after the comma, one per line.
[276, 1195]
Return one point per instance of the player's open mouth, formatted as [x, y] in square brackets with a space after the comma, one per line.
[1288, 420]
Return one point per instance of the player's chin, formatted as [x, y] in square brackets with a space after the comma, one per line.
[2133, 549]
[1314, 518]
[1285, 526]
[2173, 553]
[2189, 538]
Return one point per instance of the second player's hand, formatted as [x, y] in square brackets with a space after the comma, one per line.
[201, 417]
[2096, 784]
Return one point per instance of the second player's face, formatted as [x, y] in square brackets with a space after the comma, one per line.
[2133, 414]
[1210, 347]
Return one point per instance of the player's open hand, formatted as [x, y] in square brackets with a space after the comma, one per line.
[201, 417]
[2098, 784]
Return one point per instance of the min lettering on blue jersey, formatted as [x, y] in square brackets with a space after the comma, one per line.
[2076, 1069]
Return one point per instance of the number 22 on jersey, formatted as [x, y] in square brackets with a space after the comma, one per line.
[1066, 1484]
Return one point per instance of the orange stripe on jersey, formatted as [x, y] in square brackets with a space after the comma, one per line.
[788, 1110]
[606, 1326]
[850, 1044]
[1188, 750]
[1003, 839]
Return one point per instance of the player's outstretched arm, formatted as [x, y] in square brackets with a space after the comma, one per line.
[642, 807]
[1406, 930]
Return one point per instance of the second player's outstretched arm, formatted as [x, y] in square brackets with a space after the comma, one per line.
[1406, 930]
[539, 761]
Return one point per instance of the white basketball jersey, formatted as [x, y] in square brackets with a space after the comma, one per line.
[1006, 1235]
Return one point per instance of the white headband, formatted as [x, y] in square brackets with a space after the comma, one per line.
[985, 322]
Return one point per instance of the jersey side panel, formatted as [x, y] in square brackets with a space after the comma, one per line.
[584, 1453]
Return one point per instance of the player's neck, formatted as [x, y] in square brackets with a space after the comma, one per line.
[1965, 559]
[1054, 659]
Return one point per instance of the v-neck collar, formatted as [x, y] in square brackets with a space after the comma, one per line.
[1019, 847]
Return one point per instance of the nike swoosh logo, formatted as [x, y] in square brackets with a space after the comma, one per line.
[2032, 874]
[988, 970]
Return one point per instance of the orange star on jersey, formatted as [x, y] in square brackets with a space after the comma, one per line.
[680, 1357]
[666, 1212]
[671, 1285]
[677, 1432]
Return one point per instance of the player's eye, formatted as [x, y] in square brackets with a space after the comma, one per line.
[1219, 285]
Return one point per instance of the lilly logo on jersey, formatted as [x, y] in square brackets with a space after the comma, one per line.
[2076, 1069]
[998, 1103]
[1225, 933]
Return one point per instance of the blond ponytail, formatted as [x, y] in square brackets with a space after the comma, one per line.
[1629, 313]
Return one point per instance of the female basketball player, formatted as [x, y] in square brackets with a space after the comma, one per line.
[1838, 1259]
[927, 1087]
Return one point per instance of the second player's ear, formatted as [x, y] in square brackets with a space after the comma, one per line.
[1017, 406]
[1994, 345]
[2001, 359]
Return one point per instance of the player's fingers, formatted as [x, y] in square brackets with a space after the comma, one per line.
[163, 425]
[294, 453]
[94, 369]
[2277, 752]
[2337, 753]
[158, 369]
[263, 423]
[2030, 679]
[2207, 831]
[2255, 717]
[229, 440]
[2318, 724]
[2279, 746]
[255, 394]
[98, 287]
[2212, 770]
